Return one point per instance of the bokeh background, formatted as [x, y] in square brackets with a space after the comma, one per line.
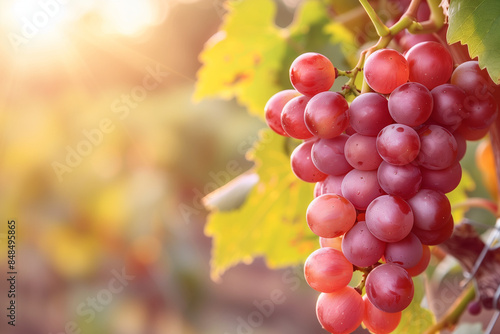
[104, 160]
[100, 145]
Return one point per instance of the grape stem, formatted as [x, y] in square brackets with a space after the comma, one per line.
[451, 317]
[477, 202]
[359, 288]
[380, 27]
[407, 21]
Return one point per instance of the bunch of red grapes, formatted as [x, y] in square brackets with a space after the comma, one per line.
[382, 166]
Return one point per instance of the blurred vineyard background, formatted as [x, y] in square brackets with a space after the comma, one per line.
[118, 205]
[103, 174]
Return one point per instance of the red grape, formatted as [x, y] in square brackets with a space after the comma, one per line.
[312, 73]
[361, 187]
[361, 152]
[438, 149]
[430, 64]
[328, 155]
[389, 287]
[326, 115]
[403, 181]
[340, 312]
[389, 218]
[378, 321]
[331, 185]
[302, 165]
[330, 215]
[398, 144]
[410, 104]
[472, 79]
[435, 237]
[274, 107]
[360, 247]
[407, 252]
[449, 105]
[327, 270]
[431, 209]
[385, 70]
[422, 264]
[444, 180]
[369, 113]
[292, 118]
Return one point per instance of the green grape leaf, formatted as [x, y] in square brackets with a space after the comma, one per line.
[244, 57]
[271, 223]
[415, 319]
[249, 58]
[459, 195]
[477, 24]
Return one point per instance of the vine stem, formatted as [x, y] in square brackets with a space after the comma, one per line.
[380, 27]
[495, 143]
[477, 202]
[455, 311]
[407, 21]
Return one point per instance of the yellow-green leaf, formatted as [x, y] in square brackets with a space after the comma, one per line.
[477, 24]
[415, 319]
[459, 195]
[272, 222]
[249, 58]
[244, 58]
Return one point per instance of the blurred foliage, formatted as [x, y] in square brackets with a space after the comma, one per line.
[249, 57]
[271, 221]
[237, 233]
[476, 24]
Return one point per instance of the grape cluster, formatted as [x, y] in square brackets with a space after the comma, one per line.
[382, 167]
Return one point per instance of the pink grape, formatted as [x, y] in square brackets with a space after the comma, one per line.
[360, 247]
[292, 118]
[330, 215]
[302, 165]
[340, 312]
[389, 288]
[403, 181]
[422, 264]
[274, 107]
[410, 104]
[438, 148]
[407, 252]
[443, 180]
[378, 321]
[331, 185]
[431, 209]
[326, 115]
[385, 70]
[312, 73]
[361, 187]
[369, 113]
[361, 152]
[389, 218]
[327, 270]
[398, 144]
[430, 64]
[328, 155]
[449, 105]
